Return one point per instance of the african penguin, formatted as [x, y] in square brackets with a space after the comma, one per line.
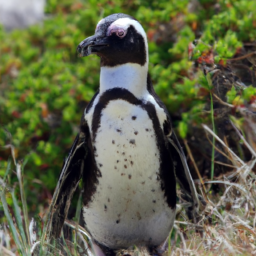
[126, 151]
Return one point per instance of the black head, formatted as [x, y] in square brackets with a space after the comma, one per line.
[118, 39]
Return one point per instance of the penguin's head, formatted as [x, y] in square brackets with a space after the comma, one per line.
[118, 39]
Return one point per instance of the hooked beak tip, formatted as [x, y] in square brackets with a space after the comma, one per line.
[83, 49]
[90, 46]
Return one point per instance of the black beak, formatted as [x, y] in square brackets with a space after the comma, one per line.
[91, 45]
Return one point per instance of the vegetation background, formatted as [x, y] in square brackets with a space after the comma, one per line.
[202, 63]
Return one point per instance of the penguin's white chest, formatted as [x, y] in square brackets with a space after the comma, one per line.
[128, 206]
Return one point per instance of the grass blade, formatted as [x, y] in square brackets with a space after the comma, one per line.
[24, 202]
[18, 218]
[15, 234]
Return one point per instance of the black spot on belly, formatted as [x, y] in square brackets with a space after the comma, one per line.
[117, 221]
[118, 130]
[136, 133]
[134, 117]
[143, 182]
[100, 165]
[146, 129]
[117, 161]
[132, 141]
[153, 190]
[113, 142]
[131, 162]
[98, 173]
[125, 166]
[129, 176]
[108, 200]
[125, 159]
[123, 153]
[154, 201]
[105, 208]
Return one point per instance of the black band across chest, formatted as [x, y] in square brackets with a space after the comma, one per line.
[166, 171]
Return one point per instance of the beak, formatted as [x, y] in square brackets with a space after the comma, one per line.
[92, 45]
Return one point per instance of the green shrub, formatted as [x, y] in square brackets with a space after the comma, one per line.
[44, 86]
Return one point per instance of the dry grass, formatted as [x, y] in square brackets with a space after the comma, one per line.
[227, 222]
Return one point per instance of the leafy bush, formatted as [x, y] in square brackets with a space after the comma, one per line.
[44, 86]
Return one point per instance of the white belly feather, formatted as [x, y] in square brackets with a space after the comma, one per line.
[128, 206]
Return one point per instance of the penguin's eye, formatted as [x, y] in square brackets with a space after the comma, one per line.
[120, 33]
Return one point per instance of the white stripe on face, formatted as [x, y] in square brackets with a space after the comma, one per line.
[124, 24]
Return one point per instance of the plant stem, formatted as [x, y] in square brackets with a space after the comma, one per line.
[213, 138]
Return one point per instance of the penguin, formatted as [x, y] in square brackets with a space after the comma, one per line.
[126, 152]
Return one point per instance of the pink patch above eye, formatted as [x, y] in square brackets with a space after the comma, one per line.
[120, 32]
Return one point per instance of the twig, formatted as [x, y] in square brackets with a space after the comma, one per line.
[5, 251]
[78, 228]
[218, 149]
[12, 148]
[243, 139]
[243, 57]
[227, 147]
[189, 224]
[181, 236]
[239, 187]
[194, 163]
[222, 143]
[223, 102]
[228, 165]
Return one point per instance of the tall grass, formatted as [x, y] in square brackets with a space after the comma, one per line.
[228, 221]
[26, 239]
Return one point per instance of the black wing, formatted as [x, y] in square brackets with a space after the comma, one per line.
[181, 169]
[71, 173]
